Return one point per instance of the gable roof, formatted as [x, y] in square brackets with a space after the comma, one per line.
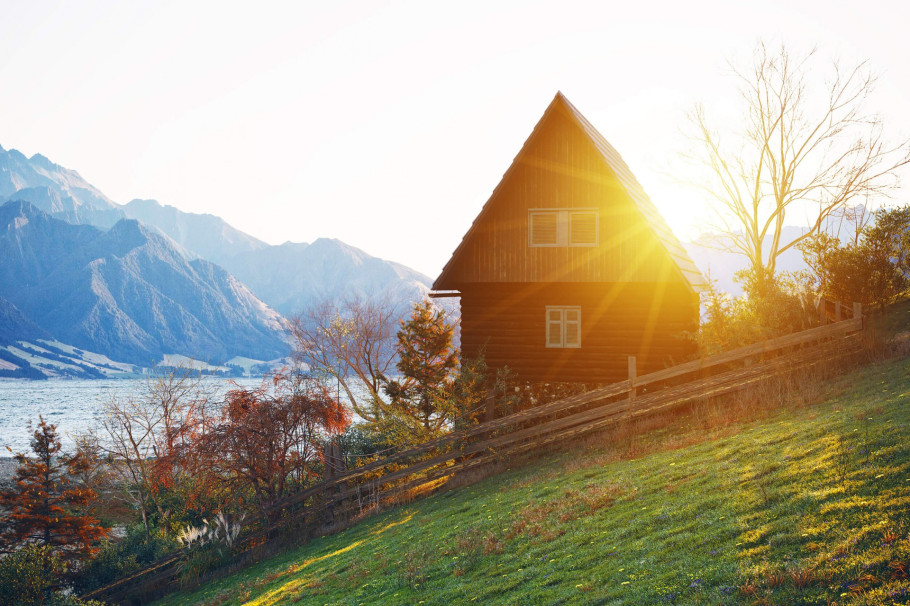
[687, 268]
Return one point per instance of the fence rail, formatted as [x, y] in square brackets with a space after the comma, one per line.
[384, 480]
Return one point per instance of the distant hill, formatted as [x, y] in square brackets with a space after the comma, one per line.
[48, 358]
[289, 276]
[27, 351]
[129, 293]
[721, 265]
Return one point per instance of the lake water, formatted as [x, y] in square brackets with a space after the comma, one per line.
[72, 405]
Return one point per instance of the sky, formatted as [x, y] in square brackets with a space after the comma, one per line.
[388, 124]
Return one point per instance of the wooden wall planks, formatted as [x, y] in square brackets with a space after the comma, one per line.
[507, 323]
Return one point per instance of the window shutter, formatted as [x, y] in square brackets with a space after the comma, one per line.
[573, 328]
[554, 327]
[544, 229]
[551, 227]
[582, 228]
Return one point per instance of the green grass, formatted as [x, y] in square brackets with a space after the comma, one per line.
[805, 504]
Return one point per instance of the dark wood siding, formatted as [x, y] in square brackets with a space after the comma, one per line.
[507, 322]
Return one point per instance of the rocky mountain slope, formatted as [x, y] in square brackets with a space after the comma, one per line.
[15, 325]
[294, 275]
[205, 235]
[129, 293]
[56, 190]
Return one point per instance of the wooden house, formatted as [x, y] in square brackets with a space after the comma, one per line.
[569, 269]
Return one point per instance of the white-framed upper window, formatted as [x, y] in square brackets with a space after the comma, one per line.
[571, 227]
[563, 326]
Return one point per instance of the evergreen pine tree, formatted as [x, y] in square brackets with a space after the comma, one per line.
[421, 400]
[45, 506]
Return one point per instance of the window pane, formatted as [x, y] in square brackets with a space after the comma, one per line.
[582, 228]
[571, 315]
[555, 338]
[555, 315]
[543, 228]
[572, 336]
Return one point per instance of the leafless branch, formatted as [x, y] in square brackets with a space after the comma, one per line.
[800, 147]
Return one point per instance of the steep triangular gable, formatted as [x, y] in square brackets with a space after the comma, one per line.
[688, 272]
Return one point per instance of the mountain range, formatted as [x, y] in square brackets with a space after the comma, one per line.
[289, 276]
[141, 281]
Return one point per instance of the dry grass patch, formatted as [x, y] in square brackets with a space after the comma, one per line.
[547, 520]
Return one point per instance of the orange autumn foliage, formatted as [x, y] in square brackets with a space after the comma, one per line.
[45, 506]
[270, 438]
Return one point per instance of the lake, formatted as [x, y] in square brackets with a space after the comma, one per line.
[72, 405]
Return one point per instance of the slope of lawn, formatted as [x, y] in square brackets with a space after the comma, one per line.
[801, 501]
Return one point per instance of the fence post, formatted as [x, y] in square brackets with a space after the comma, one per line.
[334, 460]
[633, 373]
[822, 309]
[837, 311]
[857, 310]
[491, 405]
[329, 456]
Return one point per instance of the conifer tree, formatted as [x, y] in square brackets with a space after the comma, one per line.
[45, 506]
[421, 399]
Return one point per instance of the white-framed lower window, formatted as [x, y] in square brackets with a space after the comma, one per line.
[563, 325]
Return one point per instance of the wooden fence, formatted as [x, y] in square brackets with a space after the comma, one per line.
[383, 481]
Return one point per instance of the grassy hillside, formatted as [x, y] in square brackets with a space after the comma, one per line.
[791, 502]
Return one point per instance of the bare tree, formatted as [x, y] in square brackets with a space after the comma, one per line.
[802, 149]
[145, 435]
[850, 221]
[352, 344]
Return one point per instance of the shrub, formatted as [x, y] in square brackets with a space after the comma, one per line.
[772, 306]
[361, 441]
[203, 560]
[119, 558]
[223, 528]
[874, 270]
[29, 575]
